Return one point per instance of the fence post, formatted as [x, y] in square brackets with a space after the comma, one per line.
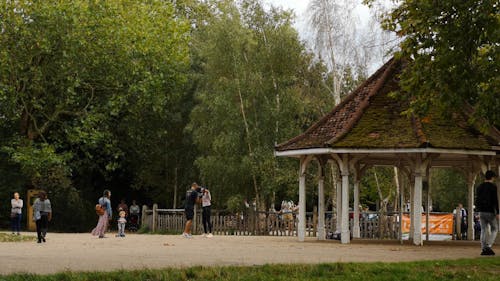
[143, 216]
[155, 217]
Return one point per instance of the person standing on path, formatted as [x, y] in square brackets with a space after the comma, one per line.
[121, 223]
[192, 198]
[123, 207]
[42, 213]
[487, 205]
[16, 213]
[206, 204]
[103, 222]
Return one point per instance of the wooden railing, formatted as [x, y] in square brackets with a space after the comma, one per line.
[262, 223]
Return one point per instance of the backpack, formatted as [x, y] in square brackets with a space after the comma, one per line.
[99, 210]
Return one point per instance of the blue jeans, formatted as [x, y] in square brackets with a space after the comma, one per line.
[488, 238]
[121, 229]
[16, 223]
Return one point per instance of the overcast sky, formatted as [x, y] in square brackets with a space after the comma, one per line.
[300, 7]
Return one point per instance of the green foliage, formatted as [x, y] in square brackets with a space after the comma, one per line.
[89, 90]
[257, 87]
[448, 188]
[235, 203]
[383, 177]
[473, 269]
[453, 56]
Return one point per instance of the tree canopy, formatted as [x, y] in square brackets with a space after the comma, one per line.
[88, 89]
[452, 49]
[257, 86]
[145, 97]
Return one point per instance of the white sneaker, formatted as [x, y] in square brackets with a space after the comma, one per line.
[210, 235]
[187, 235]
[204, 235]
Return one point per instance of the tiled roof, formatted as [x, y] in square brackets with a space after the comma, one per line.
[370, 118]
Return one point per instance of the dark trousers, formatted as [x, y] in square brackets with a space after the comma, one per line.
[41, 227]
[16, 223]
[205, 218]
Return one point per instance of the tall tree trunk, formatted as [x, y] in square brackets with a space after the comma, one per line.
[249, 144]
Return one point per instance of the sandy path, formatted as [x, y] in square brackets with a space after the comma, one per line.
[83, 252]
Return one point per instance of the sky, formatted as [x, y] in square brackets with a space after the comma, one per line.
[300, 7]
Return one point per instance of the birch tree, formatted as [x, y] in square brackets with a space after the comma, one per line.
[333, 28]
[255, 88]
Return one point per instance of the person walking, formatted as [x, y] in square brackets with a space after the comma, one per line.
[206, 204]
[192, 198]
[487, 205]
[103, 222]
[16, 213]
[42, 214]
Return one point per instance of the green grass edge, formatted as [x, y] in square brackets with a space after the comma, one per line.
[481, 268]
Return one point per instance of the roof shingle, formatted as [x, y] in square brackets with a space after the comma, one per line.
[370, 118]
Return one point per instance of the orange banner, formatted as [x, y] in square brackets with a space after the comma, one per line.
[438, 224]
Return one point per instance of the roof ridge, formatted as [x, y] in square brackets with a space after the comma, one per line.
[388, 69]
[419, 131]
[348, 98]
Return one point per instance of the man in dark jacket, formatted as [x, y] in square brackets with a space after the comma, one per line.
[487, 205]
[191, 199]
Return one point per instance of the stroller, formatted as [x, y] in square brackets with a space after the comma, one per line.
[133, 223]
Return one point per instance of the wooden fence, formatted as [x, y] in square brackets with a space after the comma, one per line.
[263, 223]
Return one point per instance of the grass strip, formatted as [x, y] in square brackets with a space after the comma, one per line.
[484, 268]
[6, 237]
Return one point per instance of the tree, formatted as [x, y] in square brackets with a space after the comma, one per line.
[255, 85]
[348, 45]
[448, 188]
[452, 50]
[332, 36]
[89, 90]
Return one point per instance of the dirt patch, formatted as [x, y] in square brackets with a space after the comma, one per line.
[83, 252]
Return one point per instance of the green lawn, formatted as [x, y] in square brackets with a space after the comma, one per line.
[484, 268]
[6, 237]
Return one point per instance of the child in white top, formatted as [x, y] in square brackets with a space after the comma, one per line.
[121, 224]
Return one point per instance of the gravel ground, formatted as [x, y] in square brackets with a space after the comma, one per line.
[83, 252]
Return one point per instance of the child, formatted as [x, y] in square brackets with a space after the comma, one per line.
[121, 224]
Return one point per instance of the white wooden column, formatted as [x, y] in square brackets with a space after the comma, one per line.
[356, 232]
[321, 206]
[471, 180]
[345, 233]
[417, 202]
[302, 208]
[401, 202]
[427, 205]
[338, 208]
[301, 228]
[343, 163]
[412, 199]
